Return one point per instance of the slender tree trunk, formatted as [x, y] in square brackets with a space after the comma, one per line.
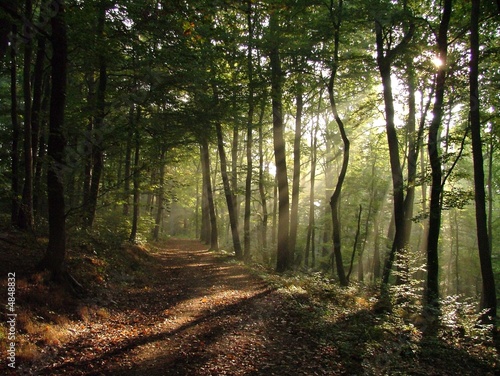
[312, 195]
[248, 181]
[205, 166]
[97, 151]
[490, 192]
[335, 199]
[128, 162]
[488, 300]
[41, 147]
[87, 148]
[36, 109]
[136, 180]
[233, 219]
[412, 159]
[457, 254]
[377, 266]
[56, 249]
[205, 213]
[373, 194]
[262, 190]
[284, 258]
[234, 169]
[248, 192]
[327, 231]
[14, 154]
[197, 232]
[294, 214]
[25, 219]
[356, 240]
[161, 196]
[274, 229]
[432, 286]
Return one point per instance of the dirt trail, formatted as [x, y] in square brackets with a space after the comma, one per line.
[194, 314]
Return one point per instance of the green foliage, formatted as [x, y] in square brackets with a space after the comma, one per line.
[388, 343]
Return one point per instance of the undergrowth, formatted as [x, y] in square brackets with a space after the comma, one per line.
[395, 342]
[48, 315]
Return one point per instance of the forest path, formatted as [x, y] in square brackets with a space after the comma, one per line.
[194, 313]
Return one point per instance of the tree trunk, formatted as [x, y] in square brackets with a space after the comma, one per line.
[412, 158]
[97, 151]
[488, 299]
[294, 214]
[384, 62]
[335, 199]
[312, 198]
[490, 191]
[355, 245]
[373, 194]
[205, 166]
[283, 261]
[40, 162]
[161, 196]
[432, 286]
[136, 180]
[205, 213]
[25, 219]
[327, 231]
[14, 154]
[262, 190]
[377, 266]
[36, 109]
[128, 162]
[248, 180]
[231, 208]
[87, 148]
[56, 249]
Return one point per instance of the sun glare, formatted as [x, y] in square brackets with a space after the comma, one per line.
[437, 62]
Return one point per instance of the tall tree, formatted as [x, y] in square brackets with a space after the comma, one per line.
[432, 286]
[488, 299]
[25, 218]
[336, 19]
[386, 54]
[294, 214]
[97, 153]
[54, 259]
[14, 154]
[283, 252]
[262, 189]
[37, 114]
[250, 116]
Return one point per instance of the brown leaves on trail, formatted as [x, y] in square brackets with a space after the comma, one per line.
[185, 312]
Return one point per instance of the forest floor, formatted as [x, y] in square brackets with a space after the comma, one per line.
[178, 309]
